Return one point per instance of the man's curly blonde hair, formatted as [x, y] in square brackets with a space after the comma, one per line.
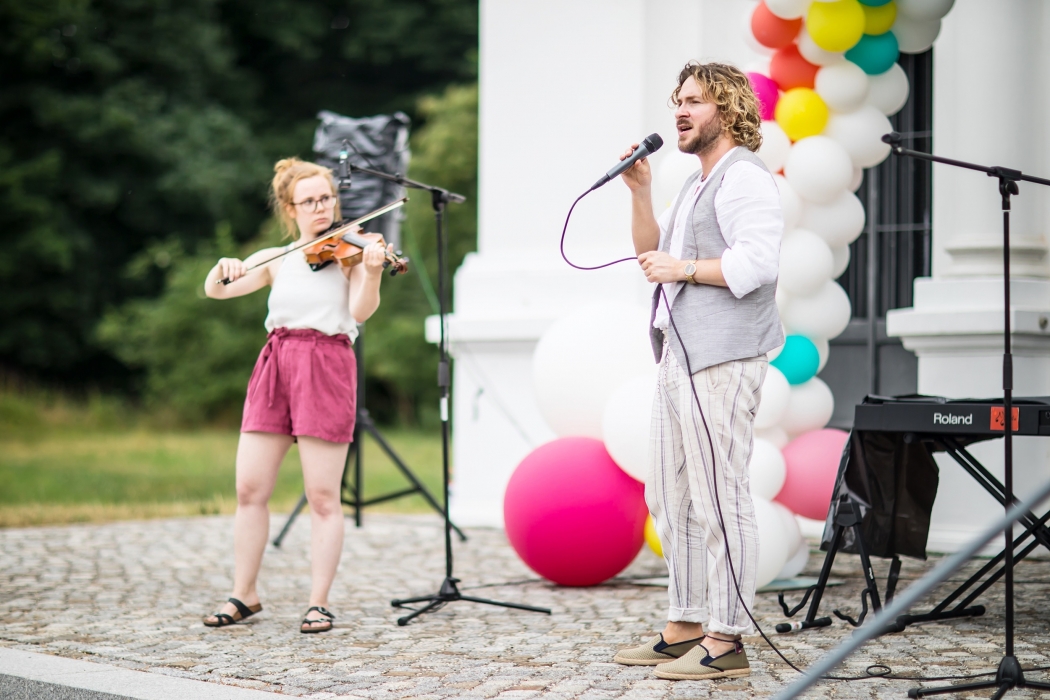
[731, 91]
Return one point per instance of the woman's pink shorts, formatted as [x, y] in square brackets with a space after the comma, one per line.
[304, 383]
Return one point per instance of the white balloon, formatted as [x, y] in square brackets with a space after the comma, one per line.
[788, 9]
[773, 544]
[776, 435]
[824, 314]
[625, 425]
[809, 407]
[914, 36]
[843, 86]
[813, 53]
[782, 299]
[858, 178]
[860, 132]
[791, 528]
[670, 175]
[775, 146]
[796, 563]
[841, 256]
[819, 168]
[889, 90]
[790, 202]
[924, 10]
[775, 394]
[838, 222]
[768, 469]
[805, 262]
[823, 352]
[576, 358]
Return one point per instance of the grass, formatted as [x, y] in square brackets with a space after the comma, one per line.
[65, 463]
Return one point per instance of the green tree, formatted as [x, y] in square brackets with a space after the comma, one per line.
[128, 123]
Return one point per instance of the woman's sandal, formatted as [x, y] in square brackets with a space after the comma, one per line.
[307, 626]
[224, 620]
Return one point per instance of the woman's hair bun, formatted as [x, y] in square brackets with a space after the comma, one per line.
[284, 164]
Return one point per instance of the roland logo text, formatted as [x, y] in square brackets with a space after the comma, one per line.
[952, 419]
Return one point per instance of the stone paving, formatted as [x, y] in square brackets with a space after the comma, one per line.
[132, 594]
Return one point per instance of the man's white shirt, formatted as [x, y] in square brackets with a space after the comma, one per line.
[747, 207]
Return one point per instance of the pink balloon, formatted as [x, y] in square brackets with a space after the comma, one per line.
[572, 515]
[767, 93]
[812, 461]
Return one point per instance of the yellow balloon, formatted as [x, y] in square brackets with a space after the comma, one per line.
[801, 112]
[879, 20]
[835, 26]
[651, 538]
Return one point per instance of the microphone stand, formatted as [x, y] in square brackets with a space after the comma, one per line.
[448, 592]
[1009, 674]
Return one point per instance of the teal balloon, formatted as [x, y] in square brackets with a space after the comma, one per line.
[798, 360]
[874, 3]
[875, 54]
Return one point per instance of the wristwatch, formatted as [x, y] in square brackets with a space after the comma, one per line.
[690, 270]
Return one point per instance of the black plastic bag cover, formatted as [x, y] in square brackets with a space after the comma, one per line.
[894, 482]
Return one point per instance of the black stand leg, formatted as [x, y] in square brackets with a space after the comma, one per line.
[291, 518]
[449, 591]
[839, 524]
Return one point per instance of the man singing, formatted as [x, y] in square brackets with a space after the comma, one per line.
[715, 255]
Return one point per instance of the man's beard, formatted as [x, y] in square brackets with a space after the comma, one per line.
[704, 140]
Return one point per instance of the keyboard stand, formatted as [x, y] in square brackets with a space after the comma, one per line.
[846, 517]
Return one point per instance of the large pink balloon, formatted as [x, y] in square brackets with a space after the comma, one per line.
[812, 461]
[572, 515]
[767, 93]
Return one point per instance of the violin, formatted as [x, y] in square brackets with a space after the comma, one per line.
[348, 250]
[334, 231]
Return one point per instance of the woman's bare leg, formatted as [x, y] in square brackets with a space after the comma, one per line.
[259, 457]
[323, 464]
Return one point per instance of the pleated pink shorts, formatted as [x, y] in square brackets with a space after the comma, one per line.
[304, 383]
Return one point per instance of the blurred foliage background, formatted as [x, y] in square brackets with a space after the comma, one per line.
[138, 143]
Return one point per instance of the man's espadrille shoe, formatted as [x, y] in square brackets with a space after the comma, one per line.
[655, 651]
[699, 665]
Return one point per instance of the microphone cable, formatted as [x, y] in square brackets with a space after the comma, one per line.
[872, 671]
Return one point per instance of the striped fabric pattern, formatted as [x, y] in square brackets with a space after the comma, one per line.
[680, 489]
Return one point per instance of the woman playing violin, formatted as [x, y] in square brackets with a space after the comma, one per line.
[303, 387]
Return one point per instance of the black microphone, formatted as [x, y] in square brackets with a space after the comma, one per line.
[344, 168]
[650, 145]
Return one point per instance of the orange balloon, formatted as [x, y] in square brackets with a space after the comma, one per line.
[789, 70]
[772, 31]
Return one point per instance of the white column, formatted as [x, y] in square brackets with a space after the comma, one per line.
[565, 86]
[987, 101]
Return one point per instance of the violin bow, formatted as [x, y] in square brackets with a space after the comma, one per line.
[331, 234]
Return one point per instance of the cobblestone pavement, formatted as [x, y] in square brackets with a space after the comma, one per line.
[132, 594]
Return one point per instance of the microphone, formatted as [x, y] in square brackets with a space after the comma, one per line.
[344, 168]
[650, 145]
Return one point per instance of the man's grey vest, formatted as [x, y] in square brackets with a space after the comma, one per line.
[714, 325]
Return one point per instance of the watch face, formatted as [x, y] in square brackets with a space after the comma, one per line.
[690, 269]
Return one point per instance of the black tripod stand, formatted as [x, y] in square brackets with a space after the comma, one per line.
[1009, 674]
[352, 494]
[448, 591]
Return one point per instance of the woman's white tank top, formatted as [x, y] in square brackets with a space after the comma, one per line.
[302, 298]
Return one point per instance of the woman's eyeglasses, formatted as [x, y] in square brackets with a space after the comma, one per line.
[312, 205]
